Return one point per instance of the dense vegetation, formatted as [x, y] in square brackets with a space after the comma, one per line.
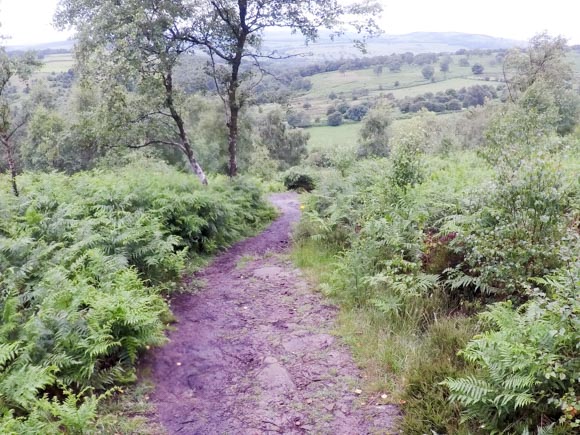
[446, 227]
[423, 243]
[86, 262]
[456, 262]
[450, 100]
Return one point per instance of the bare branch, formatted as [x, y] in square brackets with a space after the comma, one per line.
[18, 126]
[156, 142]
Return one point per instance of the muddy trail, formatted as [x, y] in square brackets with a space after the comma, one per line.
[253, 353]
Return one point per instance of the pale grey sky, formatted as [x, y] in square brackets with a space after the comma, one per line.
[29, 21]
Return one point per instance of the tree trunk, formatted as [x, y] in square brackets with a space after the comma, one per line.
[185, 147]
[11, 165]
[233, 138]
[234, 101]
[194, 165]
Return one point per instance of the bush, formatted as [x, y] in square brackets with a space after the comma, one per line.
[477, 68]
[374, 133]
[356, 113]
[299, 179]
[334, 119]
[420, 242]
[515, 230]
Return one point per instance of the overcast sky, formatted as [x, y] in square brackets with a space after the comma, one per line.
[29, 21]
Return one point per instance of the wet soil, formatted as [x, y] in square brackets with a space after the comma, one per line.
[254, 351]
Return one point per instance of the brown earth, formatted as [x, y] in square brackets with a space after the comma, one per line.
[254, 352]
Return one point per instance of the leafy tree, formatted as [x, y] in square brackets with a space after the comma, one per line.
[395, 66]
[477, 68]
[374, 133]
[285, 144]
[135, 45]
[38, 150]
[444, 65]
[428, 71]
[298, 118]
[541, 77]
[231, 33]
[334, 119]
[425, 58]
[357, 113]
[13, 112]
[464, 62]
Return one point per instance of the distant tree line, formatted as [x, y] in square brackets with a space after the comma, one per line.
[449, 100]
[393, 62]
[40, 54]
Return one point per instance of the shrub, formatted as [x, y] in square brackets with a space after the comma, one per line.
[356, 113]
[334, 119]
[299, 179]
[515, 230]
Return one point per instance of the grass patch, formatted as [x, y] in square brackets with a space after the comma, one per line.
[330, 138]
[395, 357]
[244, 260]
[129, 412]
[57, 63]
[409, 82]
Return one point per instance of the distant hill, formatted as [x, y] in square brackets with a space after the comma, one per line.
[417, 42]
[58, 45]
[462, 40]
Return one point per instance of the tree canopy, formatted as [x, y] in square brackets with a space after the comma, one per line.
[229, 32]
[13, 113]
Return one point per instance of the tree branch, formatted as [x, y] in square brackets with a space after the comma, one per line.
[18, 126]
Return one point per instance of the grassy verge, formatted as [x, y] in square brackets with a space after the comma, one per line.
[395, 357]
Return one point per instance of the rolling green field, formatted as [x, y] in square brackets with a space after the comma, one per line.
[410, 83]
[57, 63]
[328, 138]
[345, 136]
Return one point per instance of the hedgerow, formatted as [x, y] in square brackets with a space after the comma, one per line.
[85, 262]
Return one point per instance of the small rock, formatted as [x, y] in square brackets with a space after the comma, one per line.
[358, 392]
[275, 376]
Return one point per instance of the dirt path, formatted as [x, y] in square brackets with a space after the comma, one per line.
[254, 353]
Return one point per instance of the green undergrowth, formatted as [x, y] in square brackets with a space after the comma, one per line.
[87, 264]
[436, 262]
